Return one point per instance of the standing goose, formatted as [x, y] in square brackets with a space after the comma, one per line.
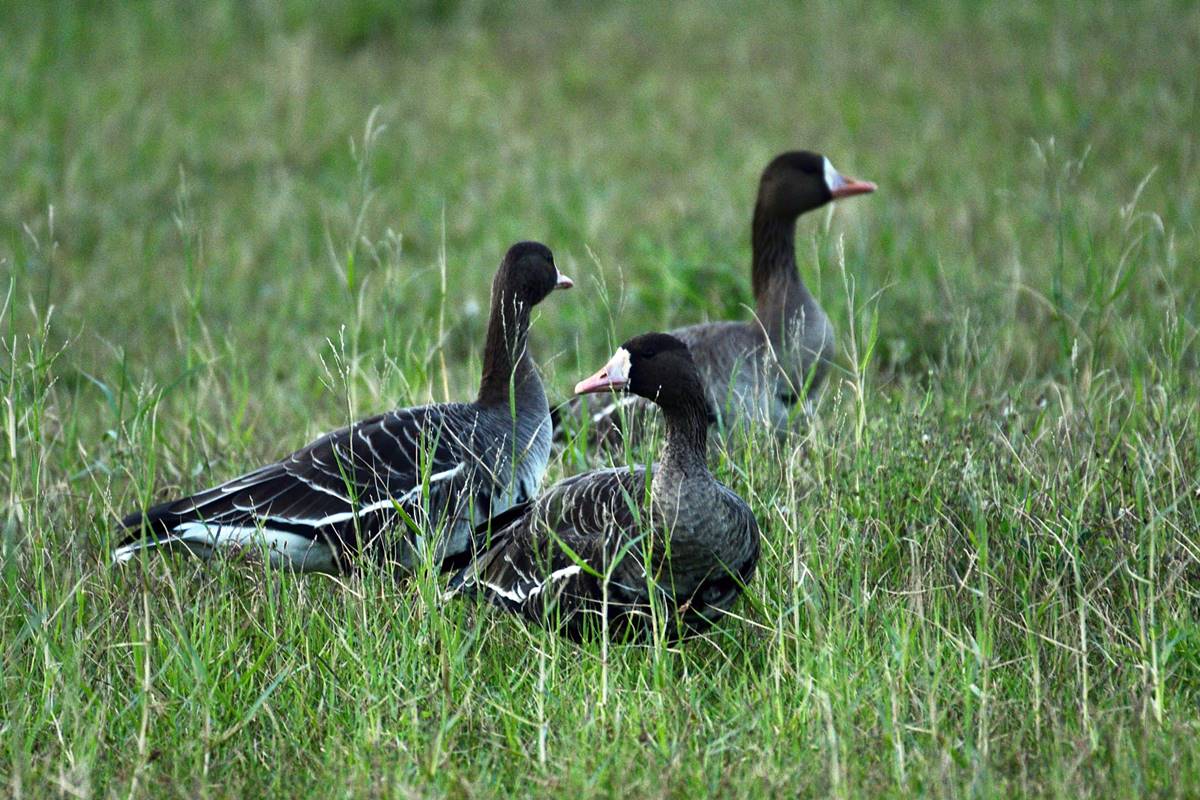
[601, 543]
[445, 466]
[759, 369]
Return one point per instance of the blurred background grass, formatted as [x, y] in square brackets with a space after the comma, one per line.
[254, 221]
[635, 131]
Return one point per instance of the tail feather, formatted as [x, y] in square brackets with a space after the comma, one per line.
[144, 529]
[466, 580]
[148, 530]
[128, 550]
[159, 527]
[488, 539]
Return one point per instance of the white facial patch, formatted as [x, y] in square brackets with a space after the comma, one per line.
[618, 366]
[833, 178]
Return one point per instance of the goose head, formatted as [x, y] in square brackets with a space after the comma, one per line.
[528, 274]
[800, 181]
[655, 366]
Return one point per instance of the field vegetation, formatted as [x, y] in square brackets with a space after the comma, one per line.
[228, 227]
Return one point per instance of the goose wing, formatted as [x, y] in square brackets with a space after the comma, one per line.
[731, 572]
[573, 558]
[341, 490]
[560, 552]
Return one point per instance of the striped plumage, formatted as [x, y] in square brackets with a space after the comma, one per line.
[596, 551]
[408, 484]
[754, 371]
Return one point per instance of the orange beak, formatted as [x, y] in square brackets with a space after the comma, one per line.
[848, 187]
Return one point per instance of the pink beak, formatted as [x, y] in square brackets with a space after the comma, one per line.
[850, 187]
[613, 375]
[563, 282]
[598, 383]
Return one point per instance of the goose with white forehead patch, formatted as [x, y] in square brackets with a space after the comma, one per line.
[445, 466]
[598, 550]
[758, 370]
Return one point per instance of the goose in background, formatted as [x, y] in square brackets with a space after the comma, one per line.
[594, 550]
[438, 469]
[754, 371]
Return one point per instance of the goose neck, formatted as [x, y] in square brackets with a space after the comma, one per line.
[686, 446]
[506, 360]
[778, 288]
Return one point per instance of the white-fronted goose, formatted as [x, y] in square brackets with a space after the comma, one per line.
[445, 466]
[597, 547]
[759, 369]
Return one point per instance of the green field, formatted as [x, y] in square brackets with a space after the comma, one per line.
[228, 227]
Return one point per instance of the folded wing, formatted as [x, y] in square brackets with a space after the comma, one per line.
[334, 496]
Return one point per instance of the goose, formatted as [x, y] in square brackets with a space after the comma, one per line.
[757, 370]
[385, 483]
[596, 547]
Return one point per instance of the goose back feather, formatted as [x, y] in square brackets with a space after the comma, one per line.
[404, 485]
[598, 550]
[756, 371]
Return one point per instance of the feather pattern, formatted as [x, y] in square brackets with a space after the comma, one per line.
[601, 549]
[441, 467]
[757, 371]
[577, 559]
[405, 485]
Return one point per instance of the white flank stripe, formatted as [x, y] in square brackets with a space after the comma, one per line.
[561, 574]
[126, 552]
[517, 596]
[285, 549]
[387, 502]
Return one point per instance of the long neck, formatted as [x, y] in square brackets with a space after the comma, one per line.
[506, 360]
[779, 293]
[682, 489]
[684, 453]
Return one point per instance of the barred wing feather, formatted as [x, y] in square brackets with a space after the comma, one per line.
[558, 553]
[338, 493]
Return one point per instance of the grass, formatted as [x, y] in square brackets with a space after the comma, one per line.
[226, 228]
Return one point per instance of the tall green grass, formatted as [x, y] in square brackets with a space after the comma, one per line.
[227, 228]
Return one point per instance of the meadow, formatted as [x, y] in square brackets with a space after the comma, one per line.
[228, 227]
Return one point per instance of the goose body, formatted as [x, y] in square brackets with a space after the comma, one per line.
[752, 379]
[408, 484]
[598, 550]
[757, 371]
[444, 466]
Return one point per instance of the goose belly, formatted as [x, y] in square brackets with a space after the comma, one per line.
[282, 548]
[456, 539]
[532, 459]
[526, 478]
[504, 487]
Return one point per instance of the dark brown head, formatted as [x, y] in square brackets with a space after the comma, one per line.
[655, 366]
[797, 182]
[528, 274]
